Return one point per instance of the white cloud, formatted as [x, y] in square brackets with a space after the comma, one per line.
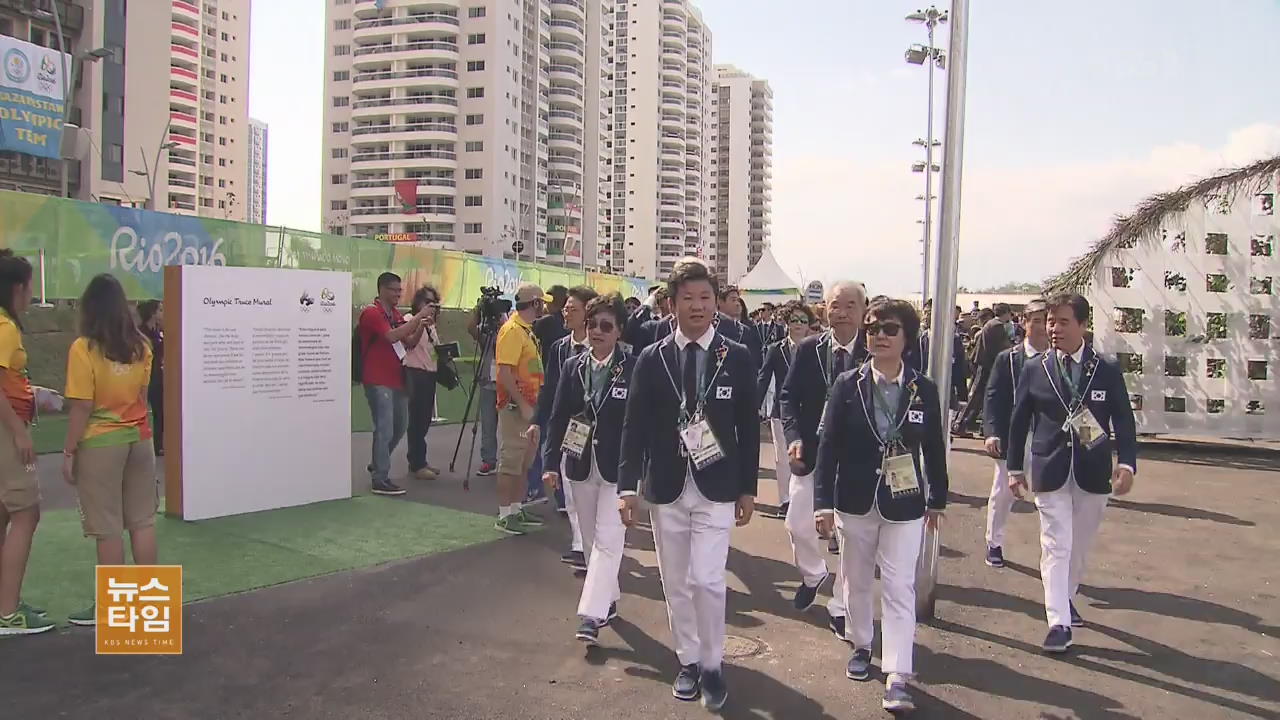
[833, 216]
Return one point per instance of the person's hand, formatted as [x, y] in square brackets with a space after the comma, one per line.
[1121, 481]
[745, 507]
[26, 450]
[68, 468]
[551, 480]
[932, 518]
[532, 434]
[1018, 484]
[628, 505]
[795, 450]
[993, 447]
[825, 524]
[526, 412]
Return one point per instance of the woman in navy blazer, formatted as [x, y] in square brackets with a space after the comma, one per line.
[777, 361]
[881, 437]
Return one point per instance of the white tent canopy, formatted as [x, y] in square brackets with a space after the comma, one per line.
[767, 282]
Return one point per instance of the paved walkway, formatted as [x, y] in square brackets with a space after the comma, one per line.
[1181, 602]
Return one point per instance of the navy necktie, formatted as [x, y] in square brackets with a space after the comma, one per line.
[691, 377]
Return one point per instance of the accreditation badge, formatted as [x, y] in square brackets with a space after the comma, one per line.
[700, 443]
[1085, 426]
[900, 472]
[576, 437]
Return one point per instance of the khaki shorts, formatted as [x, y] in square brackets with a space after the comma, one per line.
[515, 453]
[19, 486]
[117, 487]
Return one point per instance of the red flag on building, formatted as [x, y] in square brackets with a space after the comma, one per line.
[407, 191]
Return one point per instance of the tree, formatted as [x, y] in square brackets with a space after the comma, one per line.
[1014, 288]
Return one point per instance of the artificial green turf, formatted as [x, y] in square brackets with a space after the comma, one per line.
[244, 552]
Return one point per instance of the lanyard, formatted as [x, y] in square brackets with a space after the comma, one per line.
[829, 370]
[883, 406]
[685, 416]
[895, 431]
[585, 373]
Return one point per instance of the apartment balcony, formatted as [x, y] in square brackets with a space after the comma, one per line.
[422, 78]
[185, 55]
[672, 190]
[566, 74]
[566, 165]
[567, 30]
[675, 7]
[672, 38]
[674, 89]
[407, 160]
[569, 8]
[563, 53]
[183, 100]
[565, 119]
[675, 55]
[671, 173]
[392, 212]
[183, 79]
[182, 30]
[673, 107]
[673, 22]
[366, 56]
[384, 107]
[382, 188]
[566, 94]
[186, 11]
[388, 27]
[564, 141]
[181, 119]
[411, 132]
[674, 141]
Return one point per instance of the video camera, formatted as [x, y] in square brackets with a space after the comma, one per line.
[492, 307]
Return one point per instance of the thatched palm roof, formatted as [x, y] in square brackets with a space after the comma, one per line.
[1145, 222]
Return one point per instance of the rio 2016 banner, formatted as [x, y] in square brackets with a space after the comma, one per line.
[31, 103]
[83, 239]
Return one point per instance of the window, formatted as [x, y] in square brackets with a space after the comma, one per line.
[339, 179]
[1257, 369]
[475, 119]
[225, 37]
[475, 146]
[474, 201]
[115, 153]
[222, 98]
[341, 49]
[1128, 320]
[1121, 277]
[222, 162]
[475, 12]
[1260, 245]
[1175, 281]
[475, 92]
[1175, 366]
[1216, 283]
[472, 228]
[1135, 402]
[1175, 404]
[1259, 327]
[224, 57]
[1215, 406]
[475, 65]
[1175, 323]
[339, 153]
[1215, 244]
[474, 173]
[222, 183]
[222, 119]
[475, 39]
[340, 75]
[1259, 286]
[341, 101]
[342, 24]
[1130, 362]
[222, 204]
[209, 74]
[340, 127]
[1215, 327]
[337, 204]
[223, 77]
[1264, 204]
[222, 141]
[1255, 407]
[1215, 368]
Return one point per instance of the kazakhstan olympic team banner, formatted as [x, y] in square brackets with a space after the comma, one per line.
[83, 239]
[31, 107]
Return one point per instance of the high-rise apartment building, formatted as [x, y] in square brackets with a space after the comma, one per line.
[476, 125]
[742, 170]
[171, 114]
[257, 180]
[661, 193]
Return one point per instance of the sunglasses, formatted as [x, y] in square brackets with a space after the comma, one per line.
[604, 326]
[890, 328]
[798, 320]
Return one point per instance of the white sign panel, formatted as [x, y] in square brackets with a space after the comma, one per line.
[266, 389]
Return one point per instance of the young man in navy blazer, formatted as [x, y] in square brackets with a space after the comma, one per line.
[592, 396]
[1072, 402]
[997, 411]
[881, 476]
[692, 432]
[819, 360]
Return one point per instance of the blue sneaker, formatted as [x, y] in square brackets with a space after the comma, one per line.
[715, 693]
[995, 557]
[859, 667]
[687, 684]
[897, 699]
[1058, 639]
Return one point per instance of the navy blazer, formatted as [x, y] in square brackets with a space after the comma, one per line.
[605, 449]
[849, 478]
[804, 392]
[633, 333]
[651, 446]
[552, 362]
[917, 357]
[997, 409]
[777, 361]
[732, 329]
[1040, 410]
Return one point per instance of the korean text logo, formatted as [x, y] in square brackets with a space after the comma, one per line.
[139, 609]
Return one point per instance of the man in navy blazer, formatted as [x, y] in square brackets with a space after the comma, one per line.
[1072, 403]
[819, 360]
[655, 330]
[692, 433]
[997, 411]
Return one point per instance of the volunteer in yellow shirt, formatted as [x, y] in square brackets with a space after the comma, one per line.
[108, 455]
[19, 486]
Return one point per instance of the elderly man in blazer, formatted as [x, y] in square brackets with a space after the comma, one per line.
[819, 360]
[692, 433]
[997, 411]
[881, 475]
[1072, 403]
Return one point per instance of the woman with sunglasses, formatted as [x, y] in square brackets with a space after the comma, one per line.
[585, 430]
[777, 361]
[420, 372]
[881, 437]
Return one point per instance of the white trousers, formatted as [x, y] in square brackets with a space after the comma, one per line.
[603, 536]
[692, 539]
[782, 463]
[1069, 520]
[1000, 503]
[867, 541]
[810, 550]
[576, 543]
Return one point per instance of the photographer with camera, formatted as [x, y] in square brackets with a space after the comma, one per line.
[490, 314]
[420, 366]
[519, 361]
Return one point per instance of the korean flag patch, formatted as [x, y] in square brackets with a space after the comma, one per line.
[724, 392]
[915, 416]
[1098, 395]
[619, 393]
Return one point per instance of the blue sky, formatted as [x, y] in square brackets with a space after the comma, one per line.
[1075, 112]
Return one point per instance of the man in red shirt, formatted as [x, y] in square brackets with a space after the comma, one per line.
[385, 335]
